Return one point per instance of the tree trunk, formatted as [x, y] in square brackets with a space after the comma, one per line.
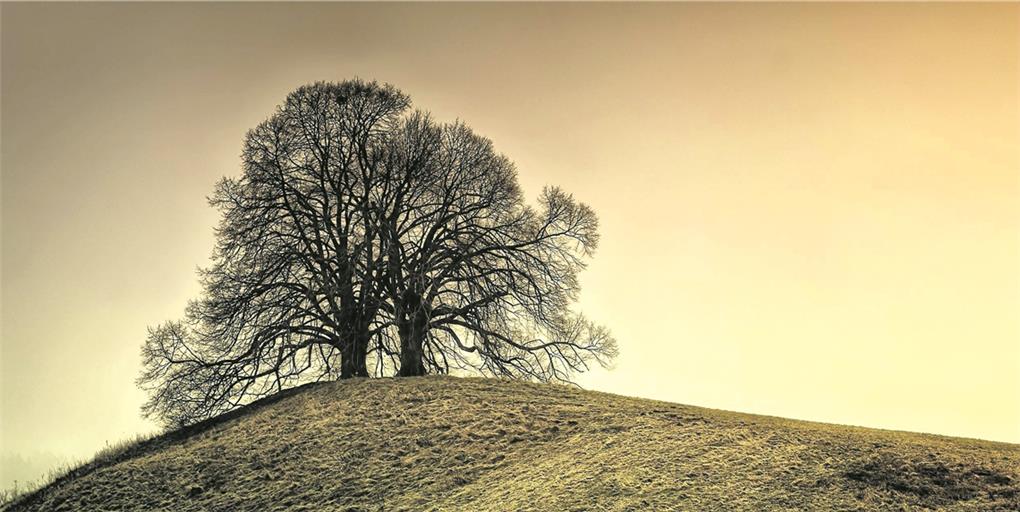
[348, 360]
[361, 353]
[412, 331]
[354, 355]
[410, 359]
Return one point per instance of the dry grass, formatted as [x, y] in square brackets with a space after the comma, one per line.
[441, 443]
[109, 454]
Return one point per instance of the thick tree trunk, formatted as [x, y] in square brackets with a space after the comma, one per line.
[412, 330]
[348, 360]
[361, 353]
[354, 355]
[411, 364]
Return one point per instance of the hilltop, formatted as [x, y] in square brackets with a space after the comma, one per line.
[444, 443]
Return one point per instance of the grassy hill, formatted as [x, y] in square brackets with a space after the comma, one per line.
[443, 443]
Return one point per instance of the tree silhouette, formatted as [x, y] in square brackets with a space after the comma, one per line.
[474, 271]
[360, 230]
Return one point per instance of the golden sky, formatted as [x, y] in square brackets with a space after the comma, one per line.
[808, 210]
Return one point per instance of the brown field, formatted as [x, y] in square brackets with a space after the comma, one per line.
[443, 443]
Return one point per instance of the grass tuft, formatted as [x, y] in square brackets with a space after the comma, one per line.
[938, 481]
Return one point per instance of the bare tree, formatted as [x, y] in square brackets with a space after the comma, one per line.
[292, 292]
[478, 279]
[360, 230]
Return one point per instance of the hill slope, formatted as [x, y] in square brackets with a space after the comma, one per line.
[442, 443]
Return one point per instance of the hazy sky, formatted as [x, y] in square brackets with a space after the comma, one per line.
[807, 210]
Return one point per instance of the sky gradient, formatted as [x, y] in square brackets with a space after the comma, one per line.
[808, 210]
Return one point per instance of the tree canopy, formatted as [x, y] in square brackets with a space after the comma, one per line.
[363, 238]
